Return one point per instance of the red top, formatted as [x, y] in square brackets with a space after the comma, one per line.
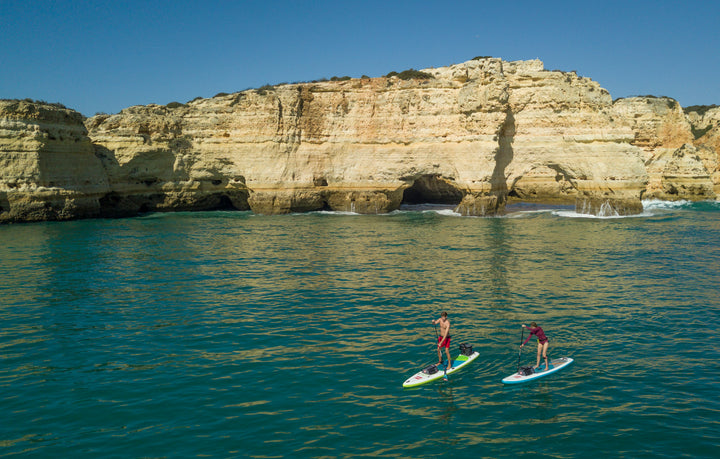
[537, 331]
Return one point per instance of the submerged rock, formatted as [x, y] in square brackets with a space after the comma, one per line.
[608, 207]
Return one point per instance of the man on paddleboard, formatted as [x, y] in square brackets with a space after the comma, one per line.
[443, 338]
[543, 343]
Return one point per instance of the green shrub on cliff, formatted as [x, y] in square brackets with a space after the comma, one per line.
[262, 90]
[414, 74]
[699, 109]
[697, 133]
[669, 101]
[39, 102]
[411, 74]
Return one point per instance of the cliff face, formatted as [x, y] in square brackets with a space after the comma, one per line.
[665, 135]
[567, 144]
[474, 135]
[705, 127]
[152, 164]
[48, 169]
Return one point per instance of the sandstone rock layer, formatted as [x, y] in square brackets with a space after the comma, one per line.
[48, 169]
[474, 135]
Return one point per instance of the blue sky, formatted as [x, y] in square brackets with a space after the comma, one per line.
[104, 56]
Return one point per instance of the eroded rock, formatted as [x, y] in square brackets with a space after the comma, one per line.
[472, 135]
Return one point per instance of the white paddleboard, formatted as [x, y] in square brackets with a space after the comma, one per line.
[422, 377]
[555, 365]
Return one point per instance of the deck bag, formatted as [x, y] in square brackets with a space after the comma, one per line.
[431, 370]
[526, 371]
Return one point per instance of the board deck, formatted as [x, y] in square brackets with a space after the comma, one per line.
[555, 365]
[420, 377]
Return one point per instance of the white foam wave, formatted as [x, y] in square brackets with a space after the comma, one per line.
[573, 214]
[653, 204]
[441, 211]
[330, 212]
[527, 213]
[445, 212]
[651, 208]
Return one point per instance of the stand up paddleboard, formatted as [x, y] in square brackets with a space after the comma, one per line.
[434, 372]
[520, 377]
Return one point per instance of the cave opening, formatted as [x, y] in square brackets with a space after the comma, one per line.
[225, 203]
[432, 189]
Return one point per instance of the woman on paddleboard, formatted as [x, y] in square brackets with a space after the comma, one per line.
[443, 338]
[542, 343]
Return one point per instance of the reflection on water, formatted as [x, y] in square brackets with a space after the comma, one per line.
[446, 402]
[229, 334]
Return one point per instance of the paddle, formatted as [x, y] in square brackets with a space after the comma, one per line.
[522, 335]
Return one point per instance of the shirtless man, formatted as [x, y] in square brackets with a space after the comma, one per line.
[444, 338]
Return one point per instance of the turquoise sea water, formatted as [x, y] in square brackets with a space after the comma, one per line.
[234, 335]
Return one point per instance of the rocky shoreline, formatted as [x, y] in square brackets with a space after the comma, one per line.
[473, 135]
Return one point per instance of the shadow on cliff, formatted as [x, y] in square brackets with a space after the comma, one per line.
[4, 203]
[432, 189]
[503, 158]
[136, 189]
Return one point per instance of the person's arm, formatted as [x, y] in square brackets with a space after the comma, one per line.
[526, 340]
[529, 335]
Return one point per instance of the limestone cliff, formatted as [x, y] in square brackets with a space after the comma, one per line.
[474, 135]
[48, 169]
[664, 133]
[705, 126]
[152, 165]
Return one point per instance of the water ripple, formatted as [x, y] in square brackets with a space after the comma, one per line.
[228, 334]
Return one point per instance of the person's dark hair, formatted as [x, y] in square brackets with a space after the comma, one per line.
[533, 324]
[443, 314]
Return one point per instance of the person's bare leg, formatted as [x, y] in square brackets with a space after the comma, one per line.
[447, 351]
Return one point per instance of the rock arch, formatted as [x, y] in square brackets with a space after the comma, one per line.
[432, 189]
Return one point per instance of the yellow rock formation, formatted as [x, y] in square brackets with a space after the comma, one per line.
[475, 135]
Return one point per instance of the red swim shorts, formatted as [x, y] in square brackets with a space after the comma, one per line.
[446, 344]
